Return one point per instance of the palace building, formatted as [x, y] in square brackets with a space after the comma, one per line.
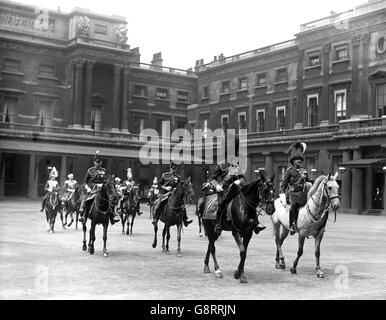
[70, 84]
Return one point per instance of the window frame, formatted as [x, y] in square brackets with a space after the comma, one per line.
[309, 97]
[336, 93]
[239, 115]
[228, 87]
[258, 78]
[159, 90]
[279, 108]
[260, 111]
[277, 75]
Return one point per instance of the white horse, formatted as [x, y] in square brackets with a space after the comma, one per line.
[311, 220]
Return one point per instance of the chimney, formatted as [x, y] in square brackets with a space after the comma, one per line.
[157, 61]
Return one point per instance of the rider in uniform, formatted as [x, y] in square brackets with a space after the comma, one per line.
[207, 188]
[126, 188]
[168, 182]
[94, 178]
[293, 187]
[51, 184]
[154, 190]
[69, 187]
[226, 178]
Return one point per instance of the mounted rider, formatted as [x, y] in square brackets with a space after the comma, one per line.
[50, 186]
[295, 183]
[69, 187]
[126, 187]
[168, 183]
[154, 190]
[207, 189]
[93, 180]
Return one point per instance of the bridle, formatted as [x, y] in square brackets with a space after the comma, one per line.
[109, 201]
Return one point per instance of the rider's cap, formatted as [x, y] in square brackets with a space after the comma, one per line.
[70, 175]
[117, 179]
[296, 150]
[97, 157]
[54, 172]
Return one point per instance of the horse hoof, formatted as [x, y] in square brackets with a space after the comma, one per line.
[201, 235]
[179, 255]
[237, 274]
[51, 231]
[282, 266]
[154, 244]
[319, 274]
[243, 280]
[105, 254]
[293, 270]
[84, 248]
[218, 274]
[91, 251]
[206, 269]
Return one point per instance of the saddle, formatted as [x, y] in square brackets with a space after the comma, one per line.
[210, 207]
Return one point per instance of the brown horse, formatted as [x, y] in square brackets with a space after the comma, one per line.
[130, 210]
[153, 196]
[51, 208]
[242, 220]
[172, 214]
[311, 221]
[99, 213]
[71, 205]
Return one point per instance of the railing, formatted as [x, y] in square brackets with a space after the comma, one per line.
[163, 69]
[342, 17]
[248, 54]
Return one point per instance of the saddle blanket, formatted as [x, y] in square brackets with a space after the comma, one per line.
[210, 207]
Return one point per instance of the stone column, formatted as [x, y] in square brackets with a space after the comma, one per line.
[78, 93]
[357, 184]
[355, 76]
[300, 72]
[325, 97]
[117, 82]
[68, 95]
[32, 182]
[268, 164]
[346, 182]
[2, 174]
[384, 193]
[365, 75]
[63, 169]
[88, 93]
[124, 103]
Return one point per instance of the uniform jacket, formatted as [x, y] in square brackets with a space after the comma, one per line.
[94, 176]
[50, 185]
[69, 185]
[169, 179]
[294, 180]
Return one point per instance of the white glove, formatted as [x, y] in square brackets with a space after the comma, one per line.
[283, 199]
[219, 188]
[168, 188]
[88, 189]
[237, 181]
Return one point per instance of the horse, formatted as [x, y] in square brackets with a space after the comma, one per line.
[311, 221]
[71, 206]
[51, 208]
[172, 214]
[242, 211]
[100, 209]
[153, 196]
[130, 209]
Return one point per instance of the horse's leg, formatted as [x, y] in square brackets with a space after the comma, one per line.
[163, 238]
[179, 228]
[92, 237]
[281, 234]
[167, 239]
[77, 218]
[61, 217]
[155, 235]
[318, 240]
[132, 223]
[214, 237]
[105, 226]
[128, 223]
[243, 245]
[123, 221]
[72, 218]
[300, 252]
[84, 228]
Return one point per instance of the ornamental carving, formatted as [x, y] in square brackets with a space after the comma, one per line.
[366, 38]
[327, 48]
[356, 41]
[83, 26]
[121, 32]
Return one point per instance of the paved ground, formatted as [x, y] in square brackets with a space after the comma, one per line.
[38, 265]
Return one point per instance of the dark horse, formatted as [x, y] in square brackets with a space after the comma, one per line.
[71, 206]
[99, 213]
[243, 217]
[130, 209]
[153, 196]
[51, 208]
[172, 214]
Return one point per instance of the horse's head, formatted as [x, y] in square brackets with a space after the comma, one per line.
[267, 192]
[188, 190]
[111, 190]
[331, 191]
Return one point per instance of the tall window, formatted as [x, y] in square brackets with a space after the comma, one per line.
[192, 126]
[340, 97]
[140, 91]
[205, 128]
[381, 99]
[314, 59]
[224, 122]
[261, 80]
[341, 53]
[312, 104]
[9, 109]
[225, 87]
[260, 116]
[281, 75]
[162, 93]
[242, 117]
[96, 118]
[243, 84]
[45, 113]
[182, 96]
[139, 125]
[280, 118]
[205, 91]
[12, 65]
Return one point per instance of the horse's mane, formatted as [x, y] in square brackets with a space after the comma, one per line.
[246, 189]
[316, 185]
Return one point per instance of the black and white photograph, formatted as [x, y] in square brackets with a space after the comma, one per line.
[212, 151]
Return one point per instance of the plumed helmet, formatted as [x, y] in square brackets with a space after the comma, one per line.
[97, 157]
[296, 151]
[70, 175]
[54, 172]
[155, 180]
[117, 179]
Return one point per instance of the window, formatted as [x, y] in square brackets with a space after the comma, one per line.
[205, 128]
[242, 117]
[192, 126]
[162, 93]
[9, 109]
[182, 96]
[381, 99]
[260, 117]
[100, 28]
[340, 98]
[281, 75]
[12, 65]
[225, 87]
[140, 91]
[205, 91]
[139, 125]
[341, 53]
[314, 59]
[96, 118]
[47, 70]
[45, 113]
[243, 84]
[280, 118]
[312, 104]
[225, 122]
[310, 163]
[381, 45]
[261, 80]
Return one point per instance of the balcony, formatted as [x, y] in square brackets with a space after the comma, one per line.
[153, 67]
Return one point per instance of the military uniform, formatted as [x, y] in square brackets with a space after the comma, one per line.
[126, 188]
[69, 189]
[50, 186]
[207, 189]
[153, 191]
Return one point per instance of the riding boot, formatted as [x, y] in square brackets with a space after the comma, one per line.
[185, 218]
[156, 217]
[258, 226]
[220, 212]
[43, 204]
[82, 210]
[292, 220]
